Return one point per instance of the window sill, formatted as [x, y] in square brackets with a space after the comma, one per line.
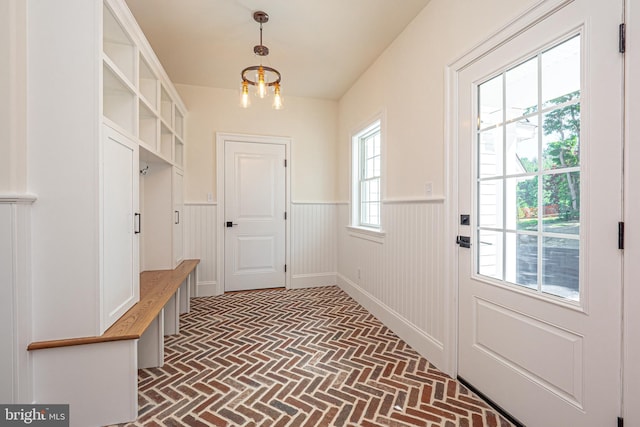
[370, 234]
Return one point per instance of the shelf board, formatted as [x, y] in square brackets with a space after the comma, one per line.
[115, 72]
[166, 124]
[115, 126]
[146, 111]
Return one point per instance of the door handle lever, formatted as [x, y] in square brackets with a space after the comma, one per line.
[463, 241]
[230, 224]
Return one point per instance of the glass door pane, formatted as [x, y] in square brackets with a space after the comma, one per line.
[528, 173]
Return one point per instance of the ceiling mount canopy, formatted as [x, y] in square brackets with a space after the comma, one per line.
[264, 77]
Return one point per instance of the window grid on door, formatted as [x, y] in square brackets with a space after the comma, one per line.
[528, 173]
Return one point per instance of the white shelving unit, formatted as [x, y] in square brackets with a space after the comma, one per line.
[138, 98]
[166, 107]
[148, 84]
[166, 142]
[140, 101]
[106, 108]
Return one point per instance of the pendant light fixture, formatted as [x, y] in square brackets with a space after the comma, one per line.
[264, 77]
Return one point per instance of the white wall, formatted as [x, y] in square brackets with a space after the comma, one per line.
[402, 279]
[63, 130]
[631, 379]
[15, 304]
[12, 96]
[311, 123]
[407, 81]
[312, 126]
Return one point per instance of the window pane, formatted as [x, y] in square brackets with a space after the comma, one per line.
[521, 266]
[561, 72]
[522, 146]
[374, 190]
[562, 203]
[369, 149]
[490, 102]
[364, 191]
[528, 173]
[561, 141]
[522, 89]
[369, 169]
[561, 267]
[490, 152]
[366, 171]
[490, 203]
[522, 204]
[490, 253]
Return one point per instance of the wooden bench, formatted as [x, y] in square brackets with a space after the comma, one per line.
[89, 371]
[159, 291]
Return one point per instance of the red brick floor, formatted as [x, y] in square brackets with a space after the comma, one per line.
[311, 357]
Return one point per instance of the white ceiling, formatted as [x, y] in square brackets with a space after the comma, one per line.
[319, 46]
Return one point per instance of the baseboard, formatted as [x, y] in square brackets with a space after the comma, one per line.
[304, 281]
[424, 344]
[206, 289]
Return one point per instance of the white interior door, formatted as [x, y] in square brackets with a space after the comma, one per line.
[539, 173]
[254, 206]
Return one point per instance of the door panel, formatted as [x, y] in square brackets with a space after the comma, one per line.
[120, 267]
[178, 227]
[254, 214]
[539, 170]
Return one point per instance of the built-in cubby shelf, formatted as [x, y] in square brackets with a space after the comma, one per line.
[147, 126]
[178, 157]
[138, 98]
[166, 142]
[166, 107]
[179, 123]
[148, 84]
[117, 45]
[118, 100]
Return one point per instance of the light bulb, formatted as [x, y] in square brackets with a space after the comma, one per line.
[277, 98]
[244, 98]
[262, 85]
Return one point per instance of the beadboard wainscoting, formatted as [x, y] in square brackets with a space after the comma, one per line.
[399, 277]
[15, 298]
[314, 244]
[200, 230]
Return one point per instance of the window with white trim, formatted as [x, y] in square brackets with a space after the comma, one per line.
[367, 171]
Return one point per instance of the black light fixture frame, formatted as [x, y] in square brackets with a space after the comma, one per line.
[261, 50]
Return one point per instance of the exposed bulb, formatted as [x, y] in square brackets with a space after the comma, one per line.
[244, 98]
[262, 85]
[277, 98]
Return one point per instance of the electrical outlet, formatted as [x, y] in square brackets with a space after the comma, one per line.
[210, 197]
[428, 189]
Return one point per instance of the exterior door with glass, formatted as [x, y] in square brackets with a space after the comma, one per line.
[539, 172]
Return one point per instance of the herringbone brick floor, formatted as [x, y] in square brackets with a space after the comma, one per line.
[310, 357]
